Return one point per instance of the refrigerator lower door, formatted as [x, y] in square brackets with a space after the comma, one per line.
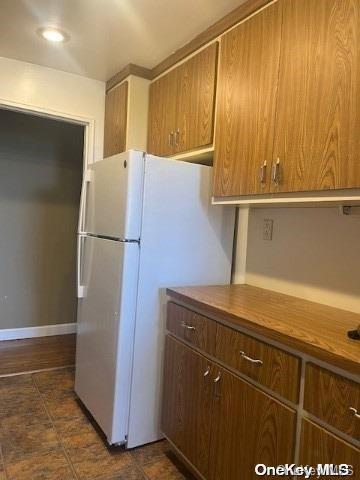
[106, 323]
[112, 196]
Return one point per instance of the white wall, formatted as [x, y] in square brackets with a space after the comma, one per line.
[314, 254]
[46, 88]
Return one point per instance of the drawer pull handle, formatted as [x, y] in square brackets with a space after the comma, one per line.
[207, 372]
[187, 327]
[355, 412]
[249, 359]
[217, 379]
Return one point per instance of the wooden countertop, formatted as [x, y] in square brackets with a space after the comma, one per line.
[315, 329]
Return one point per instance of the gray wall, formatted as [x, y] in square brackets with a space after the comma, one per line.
[40, 181]
[314, 254]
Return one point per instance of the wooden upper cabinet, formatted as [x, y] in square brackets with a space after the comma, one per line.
[181, 107]
[249, 427]
[161, 128]
[318, 112]
[195, 100]
[115, 127]
[247, 88]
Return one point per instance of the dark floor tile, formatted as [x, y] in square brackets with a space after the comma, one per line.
[24, 434]
[165, 469]
[131, 473]
[150, 453]
[49, 466]
[55, 383]
[68, 406]
[68, 416]
[19, 398]
[92, 459]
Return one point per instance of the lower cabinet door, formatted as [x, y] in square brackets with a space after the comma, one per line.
[187, 402]
[249, 428]
[320, 447]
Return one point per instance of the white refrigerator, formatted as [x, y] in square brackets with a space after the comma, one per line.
[146, 223]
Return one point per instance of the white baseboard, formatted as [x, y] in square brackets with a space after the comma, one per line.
[31, 332]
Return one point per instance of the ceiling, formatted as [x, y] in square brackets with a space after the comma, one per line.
[105, 35]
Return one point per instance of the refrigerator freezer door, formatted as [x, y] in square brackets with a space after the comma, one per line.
[113, 199]
[106, 322]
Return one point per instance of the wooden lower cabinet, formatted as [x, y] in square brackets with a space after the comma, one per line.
[187, 403]
[249, 427]
[220, 423]
[319, 446]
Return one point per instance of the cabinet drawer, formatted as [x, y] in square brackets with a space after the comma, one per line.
[268, 365]
[192, 327]
[333, 399]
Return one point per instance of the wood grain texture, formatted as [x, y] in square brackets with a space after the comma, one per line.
[319, 447]
[195, 100]
[329, 397]
[130, 69]
[204, 335]
[187, 403]
[182, 104]
[318, 110]
[247, 89]
[249, 427]
[17, 356]
[280, 371]
[237, 15]
[162, 111]
[115, 127]
[309, 327]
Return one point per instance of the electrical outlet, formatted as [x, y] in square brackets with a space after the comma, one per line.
[268, 229]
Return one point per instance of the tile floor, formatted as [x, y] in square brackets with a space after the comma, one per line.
[45, 434]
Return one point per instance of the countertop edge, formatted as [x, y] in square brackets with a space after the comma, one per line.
[290, 341]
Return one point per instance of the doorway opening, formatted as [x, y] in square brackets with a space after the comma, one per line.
[41, 168]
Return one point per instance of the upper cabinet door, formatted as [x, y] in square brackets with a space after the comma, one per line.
[318, 113]
[115, 127]
[247, 88]
[162, 107]
[181, 108]
[195, 100]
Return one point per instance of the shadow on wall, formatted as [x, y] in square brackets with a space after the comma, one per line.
[40, 180]
[314, 254]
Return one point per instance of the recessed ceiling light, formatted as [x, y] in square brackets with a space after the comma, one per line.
[53, 35]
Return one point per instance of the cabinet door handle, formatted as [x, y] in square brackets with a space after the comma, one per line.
[176, 137]
[249, 359]
[355, 412]
[276, 172]
[171, 139]
[218, 378]
[263, 172]
[187, 327]
[206, 373]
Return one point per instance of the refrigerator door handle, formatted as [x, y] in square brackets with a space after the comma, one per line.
[80, 289]
[83, 200]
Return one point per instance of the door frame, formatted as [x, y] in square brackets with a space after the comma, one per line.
[88, 159]
[87, 123]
